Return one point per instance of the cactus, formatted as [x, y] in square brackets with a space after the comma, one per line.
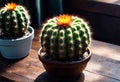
[65, 37]
[14, 20]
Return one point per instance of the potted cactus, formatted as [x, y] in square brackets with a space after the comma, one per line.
[16, 34]
[65, 41]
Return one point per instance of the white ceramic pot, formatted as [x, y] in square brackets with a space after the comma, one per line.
[17, 48]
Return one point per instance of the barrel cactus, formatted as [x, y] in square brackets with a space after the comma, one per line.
[65, 37]
[14, 20]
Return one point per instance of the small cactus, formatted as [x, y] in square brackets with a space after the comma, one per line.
[14, 20]
[65, 37]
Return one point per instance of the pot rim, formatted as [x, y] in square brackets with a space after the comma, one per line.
[41, 53]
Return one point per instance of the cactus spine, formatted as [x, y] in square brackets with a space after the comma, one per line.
[65, 37]
[14, 20]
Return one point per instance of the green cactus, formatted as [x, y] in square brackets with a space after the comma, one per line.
[14, 20]
[65, 37]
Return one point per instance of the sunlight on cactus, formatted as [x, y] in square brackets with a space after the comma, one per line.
[65, 37]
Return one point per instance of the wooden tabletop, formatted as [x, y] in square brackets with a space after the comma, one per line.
[104, 65]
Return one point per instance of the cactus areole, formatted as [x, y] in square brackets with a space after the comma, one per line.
[65, 37]
[14, 20]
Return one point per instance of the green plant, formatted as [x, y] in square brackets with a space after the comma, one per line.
[14, 20]
[65, 37]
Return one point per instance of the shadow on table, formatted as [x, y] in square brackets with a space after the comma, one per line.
[44, 77]
[7, 63]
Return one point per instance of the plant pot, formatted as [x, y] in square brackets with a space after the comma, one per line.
[17, 48]
[64, 70]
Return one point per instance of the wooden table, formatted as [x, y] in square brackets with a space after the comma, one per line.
[104, 65]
